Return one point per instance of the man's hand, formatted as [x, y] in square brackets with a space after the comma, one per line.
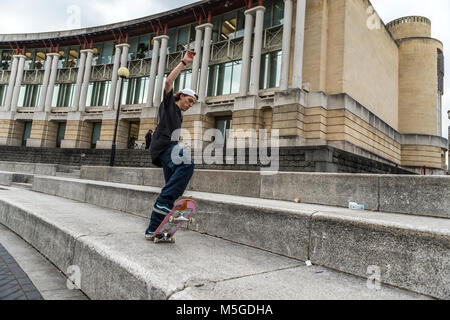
[189, 56]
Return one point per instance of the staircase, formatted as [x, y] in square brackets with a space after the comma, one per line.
[250, 240]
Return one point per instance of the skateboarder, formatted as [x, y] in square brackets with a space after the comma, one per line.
[177, 176]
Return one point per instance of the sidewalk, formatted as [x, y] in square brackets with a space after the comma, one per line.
[26, 275]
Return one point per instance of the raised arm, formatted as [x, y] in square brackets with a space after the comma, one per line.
[188, 58]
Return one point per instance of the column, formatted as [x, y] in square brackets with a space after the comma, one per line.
[12, 81]
[48, 68]
[86, 77]
[18, 83]
[112, 89]
[196, 62]
[205, 62]
[286, 46]
[153, 69]
[257, 46]
[51, 84]
[81, 66]
[123, 64]
[161, 69]
[299, 42]
[246, 50]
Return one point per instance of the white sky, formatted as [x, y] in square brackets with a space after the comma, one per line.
[26, 16]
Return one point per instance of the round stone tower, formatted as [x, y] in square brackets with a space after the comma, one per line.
[418, 75]
[420, 89]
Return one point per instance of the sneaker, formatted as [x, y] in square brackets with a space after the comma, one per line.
[148, 234]
[161, 208]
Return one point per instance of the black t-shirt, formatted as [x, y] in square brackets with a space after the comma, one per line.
[169, 120]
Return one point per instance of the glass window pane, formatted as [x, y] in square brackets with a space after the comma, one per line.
[29, 60]
[236, 78]
[90, 98]
[55, 95]
[62, 57]
[215, 34]
[22, 94]
[240, 24]
[143, 47]
[97, 54]
[107, 53]
[96, 133]
[278, 12]
[133, 42]
[267, 14]
[39, 59]
[172, 34]
[2, 94]
[6, 59]
[228, 28]
[183, 38]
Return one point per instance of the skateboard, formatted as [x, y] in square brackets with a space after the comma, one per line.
[182, 212]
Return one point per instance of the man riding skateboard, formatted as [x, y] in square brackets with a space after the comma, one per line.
[177, 176]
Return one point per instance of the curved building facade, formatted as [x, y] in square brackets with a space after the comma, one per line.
[321, 72]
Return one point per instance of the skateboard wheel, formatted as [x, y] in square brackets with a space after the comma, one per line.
[155, 240]
[191, 220]
[171, 219]
[172, 240]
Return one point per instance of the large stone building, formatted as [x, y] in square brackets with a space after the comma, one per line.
[323, 72]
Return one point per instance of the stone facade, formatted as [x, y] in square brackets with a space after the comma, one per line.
[365, 87]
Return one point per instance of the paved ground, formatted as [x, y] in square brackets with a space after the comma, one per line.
[14, 283]
[26, 275]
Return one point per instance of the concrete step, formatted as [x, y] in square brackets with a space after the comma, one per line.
[414, 195]
[411, 252]
[40, 168]
[21, 185]
[9, 178]
[114, 261]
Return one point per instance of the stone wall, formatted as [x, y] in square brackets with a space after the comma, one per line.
[295, 159]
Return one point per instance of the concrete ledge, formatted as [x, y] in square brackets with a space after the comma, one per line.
[34, 168]
[7, 178]
[411, 253]
[414, 195]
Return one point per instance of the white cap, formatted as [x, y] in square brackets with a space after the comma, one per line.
[189, 92]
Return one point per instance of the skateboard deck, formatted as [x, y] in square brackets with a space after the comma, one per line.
[180, 214]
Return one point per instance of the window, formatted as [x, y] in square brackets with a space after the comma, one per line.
[97, 128]
[183, 38]
[107, 54]
[26, 133]
[61, 133]
[72, 59]
[6, 58]
[39, 59]
[274, 14]
[440, 92]
[135, 91]
[183, 81]
[228, 28]
[29, 59]
[63, 95]
[97, 54]
[139, 48]
[98, 93]
[270, 70]
[224, 78]
[223, 124]
[2, 94]
[63, 52]
[29, 95]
